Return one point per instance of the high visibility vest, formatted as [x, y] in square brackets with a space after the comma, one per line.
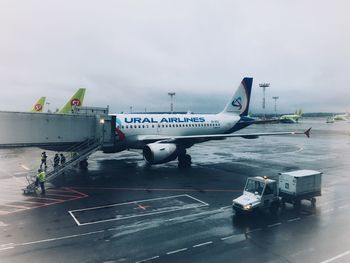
[41, 176]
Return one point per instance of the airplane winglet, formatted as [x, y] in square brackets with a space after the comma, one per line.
[307, 132]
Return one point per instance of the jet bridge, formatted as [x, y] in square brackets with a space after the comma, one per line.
[56, 131]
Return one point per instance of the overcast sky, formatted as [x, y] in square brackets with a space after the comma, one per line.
[129, 52]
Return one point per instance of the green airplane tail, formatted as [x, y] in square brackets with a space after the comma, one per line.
[39, 105]
[76, 100]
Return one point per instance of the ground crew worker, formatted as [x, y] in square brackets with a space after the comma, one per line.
[56, 160]
[43, 160]
[63, 159]
[40, 179]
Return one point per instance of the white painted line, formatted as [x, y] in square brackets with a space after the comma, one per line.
[25, 167]
[224, 238]
[176, 251]
[336, 257]
[6, 245]
[126, 203]
[147, 259]
[6, 248]
[61, 238]
[197, 200]
[20, 173]
[273, 225]
[189, 206]
[343, 206]
[135, 216]
[294, 219]
[225, 207]
[75, 219]
[203, 244]
[253, 230]
[327, 211]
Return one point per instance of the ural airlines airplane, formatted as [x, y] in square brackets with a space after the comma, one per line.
[165, 137]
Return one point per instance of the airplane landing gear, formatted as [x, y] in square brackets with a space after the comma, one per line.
[184, 160]
[83, 164]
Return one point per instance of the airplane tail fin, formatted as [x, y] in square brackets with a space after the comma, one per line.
[76, 100]
[39, 105]
[239, 103]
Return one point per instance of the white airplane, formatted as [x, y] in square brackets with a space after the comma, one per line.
[165, 137]
[342, 117]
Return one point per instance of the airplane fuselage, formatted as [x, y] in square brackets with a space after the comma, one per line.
[129, 127]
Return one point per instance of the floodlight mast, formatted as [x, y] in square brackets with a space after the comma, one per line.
[275, 98]
[171, 94]
[264, 86]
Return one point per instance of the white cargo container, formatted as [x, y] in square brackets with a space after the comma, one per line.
[301, 182]
[291, 187]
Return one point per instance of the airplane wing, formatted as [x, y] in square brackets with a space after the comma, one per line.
[202, 138]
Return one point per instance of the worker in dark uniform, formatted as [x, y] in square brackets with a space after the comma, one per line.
[56, 161]
[63, 159]
[43, 160]
[40, 179]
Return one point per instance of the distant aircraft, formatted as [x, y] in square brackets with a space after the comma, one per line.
[342, 117]
[291, 118]
[39, 105]
[76, 100]
[165, 137]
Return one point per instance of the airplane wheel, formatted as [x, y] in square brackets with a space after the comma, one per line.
[184, 161]
[83, 164]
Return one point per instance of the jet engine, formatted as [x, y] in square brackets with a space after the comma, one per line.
[157, 153]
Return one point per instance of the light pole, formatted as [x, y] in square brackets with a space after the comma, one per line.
[130, 109]
[275, 98]
[48, 106]
[264, 86]
[171, 94]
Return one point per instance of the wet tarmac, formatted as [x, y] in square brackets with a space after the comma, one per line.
[120, 210]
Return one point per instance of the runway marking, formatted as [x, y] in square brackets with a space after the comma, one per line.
[253, 230]
[20, 173]
[327, 211]
[61, 238]
[141, 207]
[336, 257]
[167, 209]
[273, 225]
[158, 189]
[176, 251]
[25, 167]
[204, 244]
[6, 248]
[343, 206]
[15, 206]
[147, 259]
[294, 219]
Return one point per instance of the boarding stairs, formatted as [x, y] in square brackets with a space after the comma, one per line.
[74, 155]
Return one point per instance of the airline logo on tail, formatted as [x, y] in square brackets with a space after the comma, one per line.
[239, 103]
[39, 105]
[76, 100]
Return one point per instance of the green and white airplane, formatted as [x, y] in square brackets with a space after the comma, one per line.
[342, 117]
[39, 105]
[291, 118]
[76, 100]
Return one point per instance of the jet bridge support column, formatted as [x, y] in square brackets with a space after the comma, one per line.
[108, 133]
